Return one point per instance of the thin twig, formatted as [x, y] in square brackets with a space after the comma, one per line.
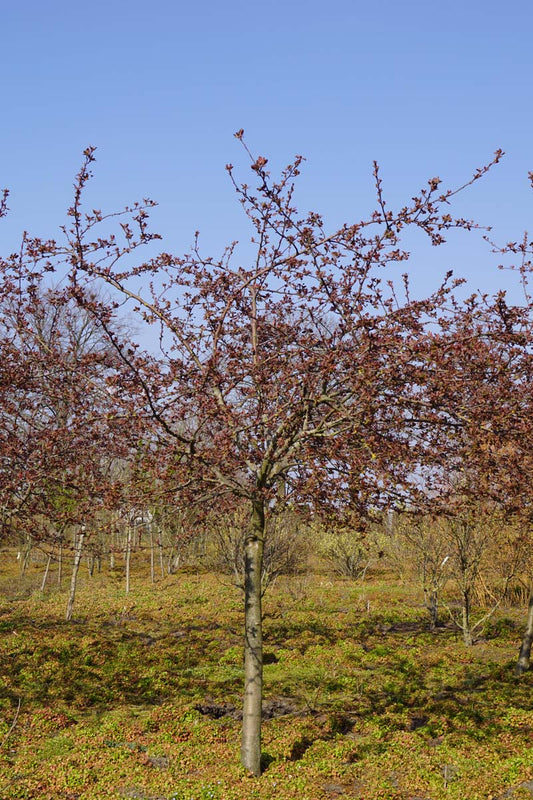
[10, 731]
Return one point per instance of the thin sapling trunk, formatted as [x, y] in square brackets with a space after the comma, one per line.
[465, 627]
[152, 554]
[46, 571]
[525, 649]
[128, 559]
[253, 642]
[60, 564]
[78, 549]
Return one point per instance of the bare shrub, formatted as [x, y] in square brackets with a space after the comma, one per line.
[347, 554]
[424, 546]
[488, 551]
[284, 547]
[349, 547]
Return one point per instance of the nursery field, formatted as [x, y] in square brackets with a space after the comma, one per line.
[139, 696]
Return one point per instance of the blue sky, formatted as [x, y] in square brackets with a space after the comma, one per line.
[159, 87]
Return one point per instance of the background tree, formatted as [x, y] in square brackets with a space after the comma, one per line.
[61, 429]
[478, 434]
[517, 322]
[418, 540]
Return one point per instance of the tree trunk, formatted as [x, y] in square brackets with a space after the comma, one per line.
[26, 557]
[467, 632]
[113, 541]
[160, 544]
[78, 547]
[152, 554]
[60, 564]
[128, 558]
[253, 642]
[45, 576]
[173, 562]
[431, 597]
[525, 650]
[432, 605]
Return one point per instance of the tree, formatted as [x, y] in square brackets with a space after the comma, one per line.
[300, 370]
[479, 387]
[424, 544]
[478, 436]
[60, 428]
[518, 324]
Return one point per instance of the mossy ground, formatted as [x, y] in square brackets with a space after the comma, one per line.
[365, 702]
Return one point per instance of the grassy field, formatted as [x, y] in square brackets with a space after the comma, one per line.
[139, 696]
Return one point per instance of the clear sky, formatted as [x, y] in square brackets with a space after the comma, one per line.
[425, 88]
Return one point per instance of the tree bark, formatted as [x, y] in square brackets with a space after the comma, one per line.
[78, 548]
[26, 557]
[128, 558]
[432, 605]
[160, 545]
[60, 564]
[253, 642]
[45, 576]
[524, 655]
[152, 554]
[467, 631]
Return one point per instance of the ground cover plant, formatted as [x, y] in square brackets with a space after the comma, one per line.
[139, 696]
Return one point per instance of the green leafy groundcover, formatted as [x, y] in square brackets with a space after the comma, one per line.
[139, 696]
